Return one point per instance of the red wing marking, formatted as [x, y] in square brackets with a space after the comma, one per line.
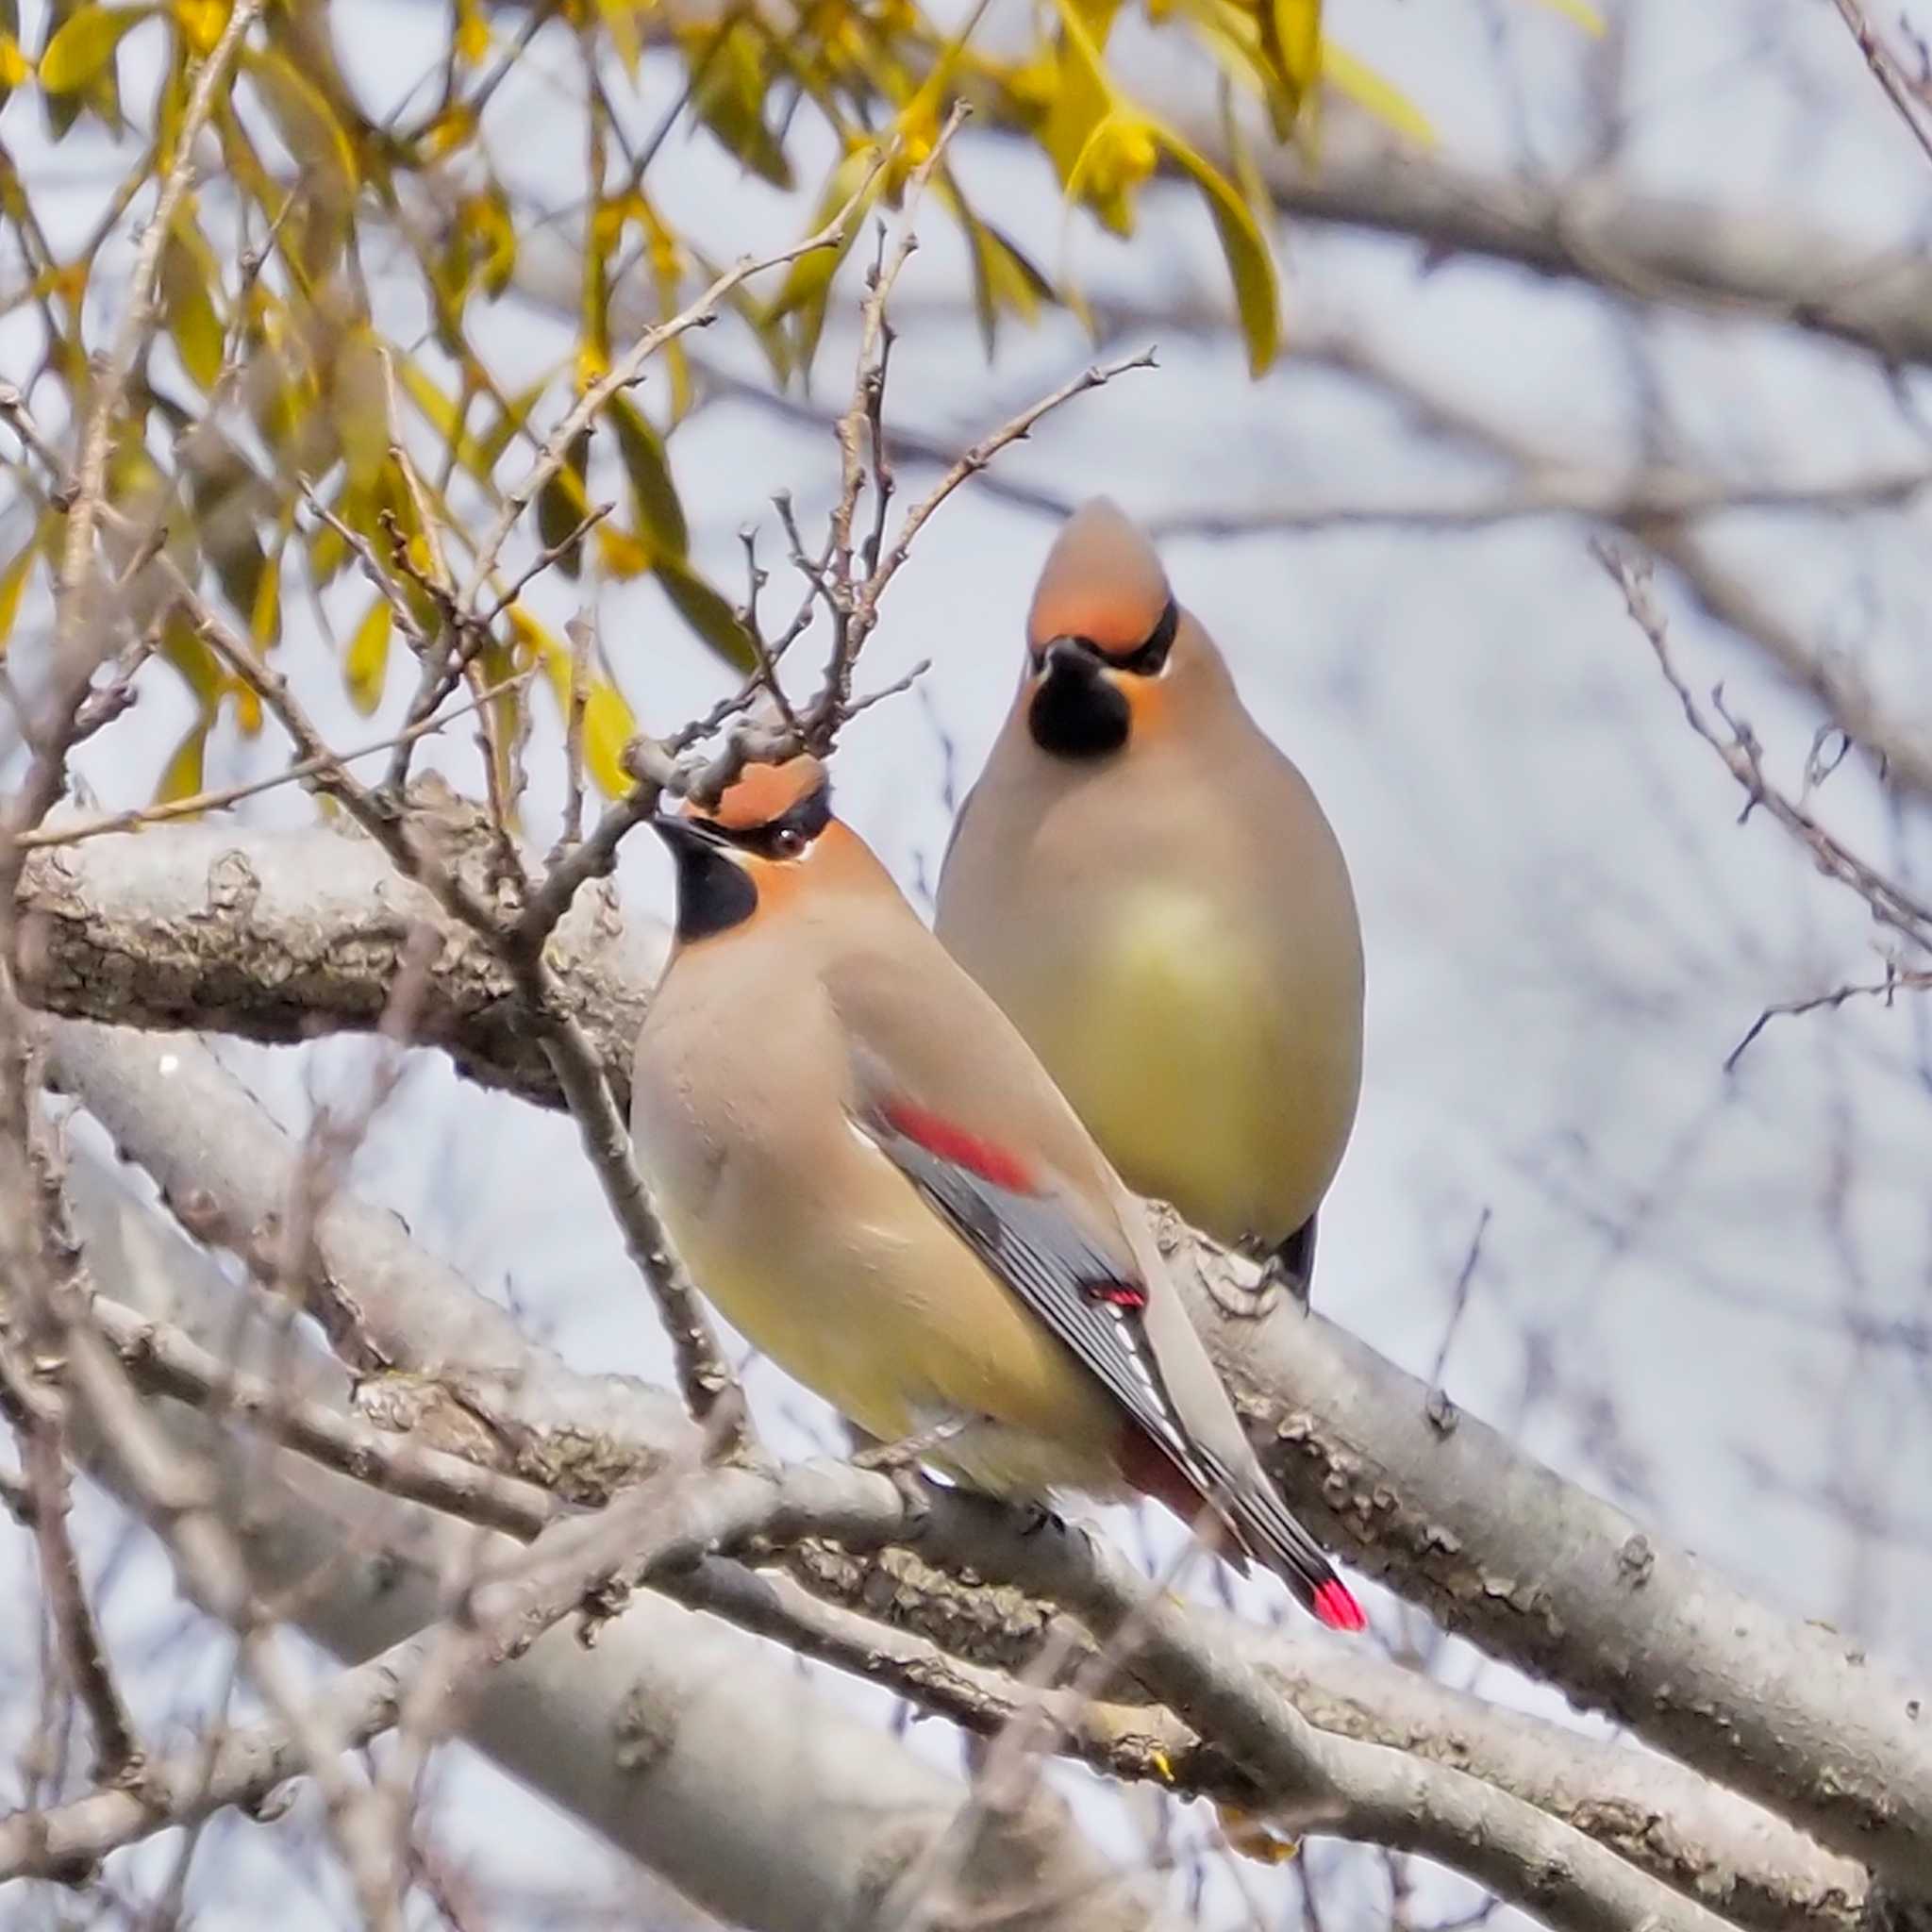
[938, 1136]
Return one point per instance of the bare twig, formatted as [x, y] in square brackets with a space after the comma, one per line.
[137, 318]
[136, 817]
[625, 371]
[1886, 71]
[1897, 980]
[40, 1426]
[1891, 903]
[581, 635]
[832, 706]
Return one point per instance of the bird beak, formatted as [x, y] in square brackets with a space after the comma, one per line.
[1072, 656]
[687, 834]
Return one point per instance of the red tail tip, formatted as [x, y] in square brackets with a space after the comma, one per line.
[1337, 1608]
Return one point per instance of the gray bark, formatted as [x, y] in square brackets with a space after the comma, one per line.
[683, 1743]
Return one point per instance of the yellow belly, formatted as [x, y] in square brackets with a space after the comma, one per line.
[853, 1286]
[1202, 1083]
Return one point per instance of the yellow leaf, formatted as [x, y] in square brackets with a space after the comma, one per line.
[732, 84]
[620, 21]
[247, 709]
[1255, 1838]
[1249, 262]
[361, 406]
[472, 33]
[609, 725]
[182, 776]
[485, 223]
[201, 23]
[516, 413]
[182, 647]
[366, 667]
[708, 612]
[621, 553]
[85, 44]
[265, 619]
[14, 65]
[653, 495]
[13, 582]
[1292, 36]
[187, 272]
[1585, 16]
[1379, 97]
[317, 229]
[1003, 277]
[808, 278]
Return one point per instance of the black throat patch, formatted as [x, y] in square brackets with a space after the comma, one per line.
[714, 892]
[1076, 714]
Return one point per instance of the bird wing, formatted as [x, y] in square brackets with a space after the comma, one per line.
[1026, 1236]
[971, 1119]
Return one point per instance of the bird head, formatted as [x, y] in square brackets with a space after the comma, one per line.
[747, 850]
[1100, 636]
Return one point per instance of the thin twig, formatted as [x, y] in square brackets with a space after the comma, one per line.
[627, 369]
[1896, 980]
[137, 318]
[1890, 903]
[1886, 71]
[137, 817]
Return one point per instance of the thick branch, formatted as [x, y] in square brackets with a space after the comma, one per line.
[1487, 1538]
[676, 1739]
[276, 937]
[1546, 1576]
[553, 1427]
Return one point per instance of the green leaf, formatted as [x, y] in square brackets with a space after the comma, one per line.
[186, 273]
[729, 98]
[562, 504]
[310, 132]
[182, 647]
[1249, 262]
[366, 667]
[653, 495]
[181, 777]
[84, 44]
[361, 406]
[1003, 277]
[13, 582]
[807, 284]
[516, 412]
[708, 612]
[265, 619]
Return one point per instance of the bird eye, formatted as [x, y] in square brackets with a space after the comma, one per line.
[788, 842]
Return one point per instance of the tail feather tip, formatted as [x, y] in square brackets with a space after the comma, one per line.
[1337, 1608]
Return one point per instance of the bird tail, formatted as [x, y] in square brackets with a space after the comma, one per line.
[1253, 1521]
[1294, 1259]
[1272, 1537]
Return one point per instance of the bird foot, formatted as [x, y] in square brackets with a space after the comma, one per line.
[908, 1451]
[915, 1497]
[1254, 1302]
[1035, 1517]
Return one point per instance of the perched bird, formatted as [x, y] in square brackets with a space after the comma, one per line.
[1151, 892]
[864, 1167]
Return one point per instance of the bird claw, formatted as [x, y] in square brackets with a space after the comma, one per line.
[915, 1497]
[1035, 1517]
[1240, 1302]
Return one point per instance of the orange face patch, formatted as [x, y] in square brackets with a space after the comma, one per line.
[763, 793]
